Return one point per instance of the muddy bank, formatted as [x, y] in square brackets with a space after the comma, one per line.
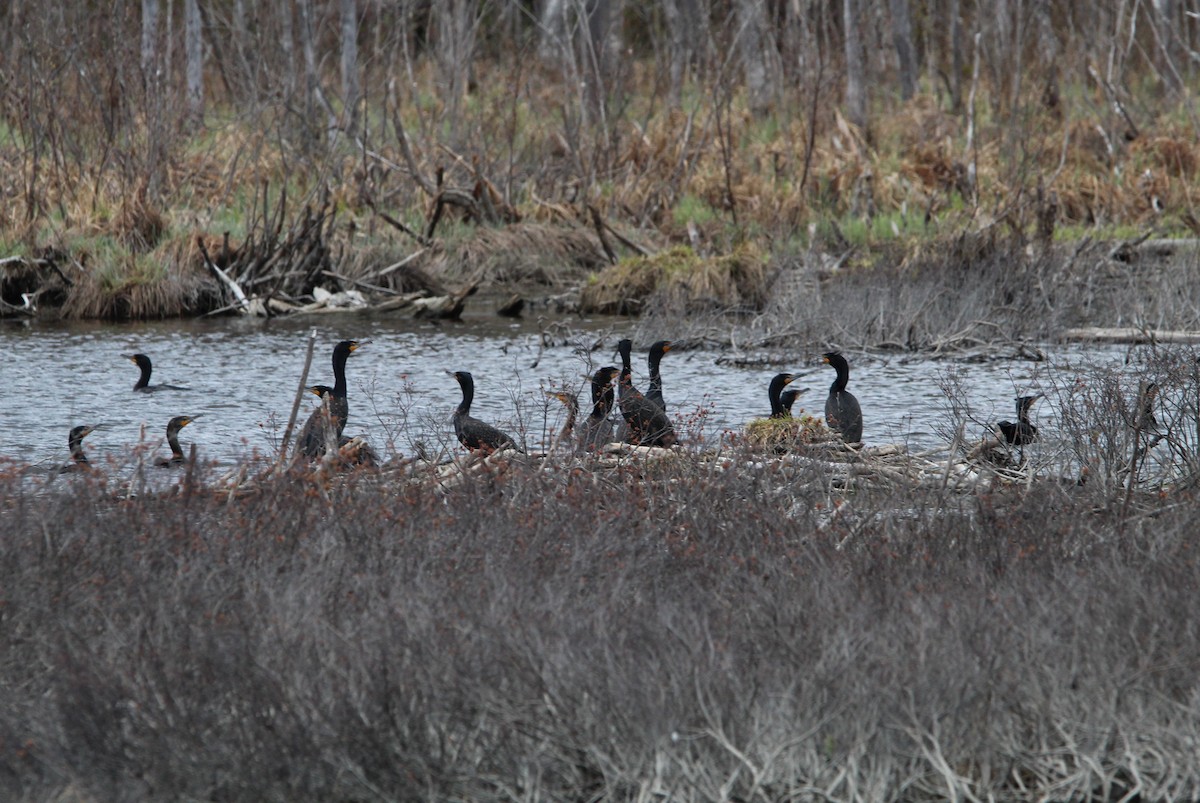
[967, 291]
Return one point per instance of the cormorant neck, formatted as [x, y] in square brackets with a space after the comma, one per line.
[843, 377]
[173, 442]
[468, 391]
[144, 379]
[339, 372]
[655, 372]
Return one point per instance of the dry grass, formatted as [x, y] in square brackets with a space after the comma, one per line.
[680, 282]
[521, 253]
[550, 632]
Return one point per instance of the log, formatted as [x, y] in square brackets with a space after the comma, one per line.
[1129, 334]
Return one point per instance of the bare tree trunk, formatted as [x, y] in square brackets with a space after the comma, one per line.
[754, 49]
[457, 27]
[601, 45]
[149, 42]
[957, 63]
[350, 62]
[905, 54]
[682, 18]
[312, 85]
[553, 43]
[856, 78]
[287, 44]
[194, 50]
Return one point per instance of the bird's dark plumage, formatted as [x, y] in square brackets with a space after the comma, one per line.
[316, 431]
[143, 384]
[788, 399]
[173, 426]
[774, 391]
[655, 393]
[1022, 431]
[595, 430]
[473, 433]
[648, 424]
[75, 441]
[842, 411]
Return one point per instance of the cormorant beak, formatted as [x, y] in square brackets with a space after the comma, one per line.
[667, 347]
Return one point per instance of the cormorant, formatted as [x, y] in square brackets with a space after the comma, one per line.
[359, 452]
[597, 429]
[75, 441]
[173, 426]
[788, 398]
[143, 384]
[571, 401]
[473, 433]
[842, 411]
[311, 440]
[778, 383]
[655, 393]
[648, 423]
[1145, 421]
[1022, 431]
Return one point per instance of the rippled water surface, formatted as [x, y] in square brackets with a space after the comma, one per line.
[243, 376]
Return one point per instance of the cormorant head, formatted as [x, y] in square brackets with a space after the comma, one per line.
[180, 421]
[605, 376]
[319, 390]
[140, 360]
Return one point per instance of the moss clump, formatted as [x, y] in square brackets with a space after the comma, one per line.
[787, 434]
[681, 279]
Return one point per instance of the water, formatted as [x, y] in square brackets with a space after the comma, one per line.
[243, 376]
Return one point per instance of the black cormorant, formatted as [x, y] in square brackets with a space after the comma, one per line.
[75, 441]
[842, 411]
[173, 426]
[778, 383]
[143, 384]
[1022, 431]
[473, 433]
[313, 435]
[648, 424]
[655, 393]
[788, 398]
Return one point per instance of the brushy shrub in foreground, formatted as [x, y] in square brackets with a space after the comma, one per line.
[550, 632]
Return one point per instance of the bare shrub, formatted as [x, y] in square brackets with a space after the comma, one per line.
[546, 630]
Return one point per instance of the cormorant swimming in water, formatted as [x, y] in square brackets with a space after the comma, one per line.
[173, 426]
[143, 384]
[473, 433]
[842, 411]
[75, 441]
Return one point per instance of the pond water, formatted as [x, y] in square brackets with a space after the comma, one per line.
[243, 376]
